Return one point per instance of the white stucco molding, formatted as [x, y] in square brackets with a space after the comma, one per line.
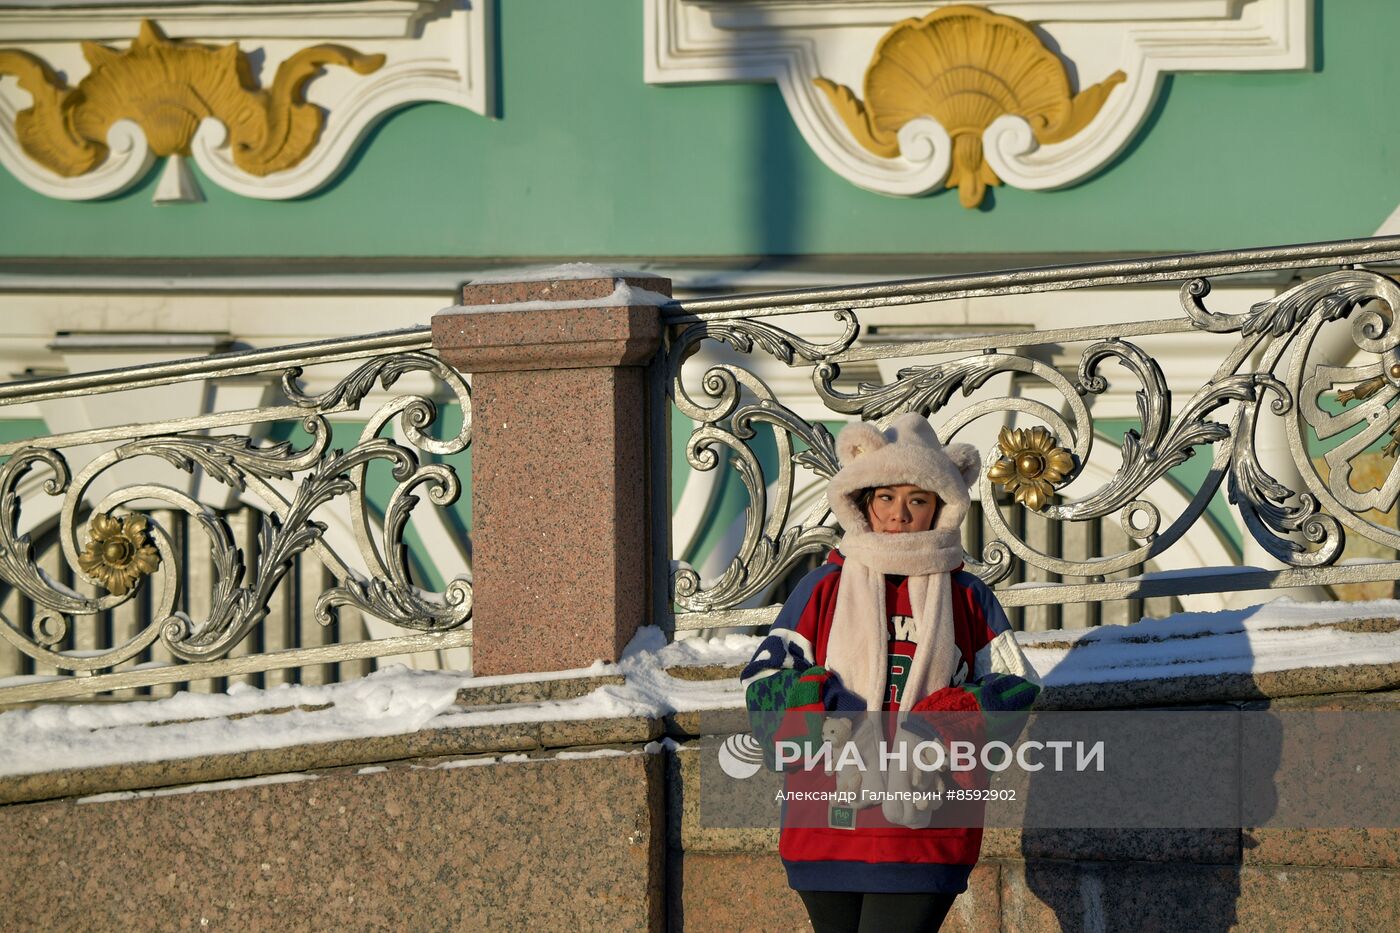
[1391, 225]
[435, 50]
[792, 42]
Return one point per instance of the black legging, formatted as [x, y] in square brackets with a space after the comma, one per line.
[854, 912]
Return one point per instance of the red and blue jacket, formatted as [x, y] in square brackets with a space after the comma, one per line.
[787, 673]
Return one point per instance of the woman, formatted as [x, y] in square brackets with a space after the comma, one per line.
[889, 622]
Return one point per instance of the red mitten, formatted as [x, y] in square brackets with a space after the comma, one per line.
[954, 715]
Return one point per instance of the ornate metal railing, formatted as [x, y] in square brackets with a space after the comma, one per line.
[195, 576]
[119, 544]
[1287, 357]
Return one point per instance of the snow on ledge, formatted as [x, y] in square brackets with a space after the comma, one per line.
[1280, 635]
[1276, 636]
[557, 273]
[622, 296]
[391, 701]
[204, 788]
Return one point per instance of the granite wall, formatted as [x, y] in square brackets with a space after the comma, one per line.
[546, 843]
[592, 826]
[1048, 880]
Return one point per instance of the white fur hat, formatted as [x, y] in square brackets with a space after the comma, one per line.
[908, 451]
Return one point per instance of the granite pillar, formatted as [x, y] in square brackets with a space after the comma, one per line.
[560, 453]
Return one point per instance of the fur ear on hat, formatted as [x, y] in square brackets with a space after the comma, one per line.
[907, 451]
[858, 438]
[968, 461]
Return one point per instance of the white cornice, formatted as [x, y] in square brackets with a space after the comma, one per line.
[793, 42]
[296, 19]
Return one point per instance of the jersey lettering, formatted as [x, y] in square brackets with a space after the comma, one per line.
[903, 627]
[898, 674]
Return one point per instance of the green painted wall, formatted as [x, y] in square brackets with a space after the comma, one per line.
[1188, 477]
[380, 485]
[20, 429]
[587, 160]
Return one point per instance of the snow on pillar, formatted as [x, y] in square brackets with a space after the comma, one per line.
[560, 452]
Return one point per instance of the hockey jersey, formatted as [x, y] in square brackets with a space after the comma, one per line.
[787, 673]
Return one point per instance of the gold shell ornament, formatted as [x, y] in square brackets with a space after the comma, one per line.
[168, 88]
[118, 552]
[1030, 466]
[965, 67]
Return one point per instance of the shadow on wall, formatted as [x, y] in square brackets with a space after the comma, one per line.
[776, 178]
[1091, 879]
[1145, 876]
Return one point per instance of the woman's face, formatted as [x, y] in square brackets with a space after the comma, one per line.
[906, 507]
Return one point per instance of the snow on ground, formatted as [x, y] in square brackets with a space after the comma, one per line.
[394, 701]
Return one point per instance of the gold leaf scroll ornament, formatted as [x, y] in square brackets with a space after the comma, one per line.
[965, 67]
[168, 88]
[1364, 391]
[1030, 466]
[118, 552]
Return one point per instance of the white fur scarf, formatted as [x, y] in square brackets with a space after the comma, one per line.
[858, 643]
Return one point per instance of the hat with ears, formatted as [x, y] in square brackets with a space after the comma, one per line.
[908, 451]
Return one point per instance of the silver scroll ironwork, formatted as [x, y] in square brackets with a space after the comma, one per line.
[1271, 364]
[291, 484]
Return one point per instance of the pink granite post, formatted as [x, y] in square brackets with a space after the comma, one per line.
[560, 543]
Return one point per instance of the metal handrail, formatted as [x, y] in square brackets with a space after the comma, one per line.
[231, 363]
[1038, 279]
